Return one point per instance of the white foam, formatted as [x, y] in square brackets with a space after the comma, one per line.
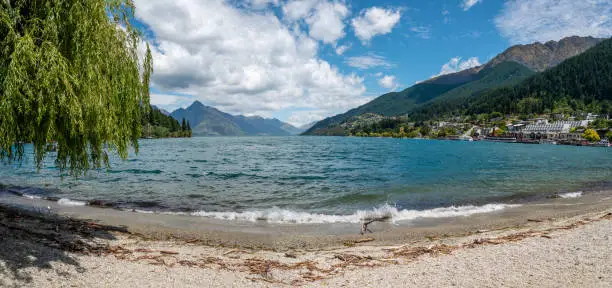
[277, 215]
[68, 202]
[31, 196]
[571, 195]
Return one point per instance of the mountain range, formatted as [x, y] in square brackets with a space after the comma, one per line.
[209, 121]
[511, 68]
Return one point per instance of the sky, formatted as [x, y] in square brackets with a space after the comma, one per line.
[302, 61]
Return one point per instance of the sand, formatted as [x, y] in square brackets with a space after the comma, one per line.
[45, 251]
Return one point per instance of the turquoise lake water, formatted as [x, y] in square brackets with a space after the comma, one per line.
[323, 179]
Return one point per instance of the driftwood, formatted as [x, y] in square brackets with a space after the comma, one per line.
[368, 221]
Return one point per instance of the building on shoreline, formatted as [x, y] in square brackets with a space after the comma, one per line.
[543, 131]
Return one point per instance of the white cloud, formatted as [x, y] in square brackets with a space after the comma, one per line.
[368, 61]
[164, 99]
[170, 102]
[467, 4]
[298, 9]
[327, 22]
[240, 61]
[300, 118]
[388, 81]
[455, 65]
[325, 19]
[342, 48]
[375, 21]
[528, 21]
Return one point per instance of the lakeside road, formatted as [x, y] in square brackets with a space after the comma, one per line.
[42, 251]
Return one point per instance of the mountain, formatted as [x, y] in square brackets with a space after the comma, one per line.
[447, 87]
[539, 57]
[512, 66]
[307, 126]
[259, 126]
[581, 83]
[292, 129]
[209, 121]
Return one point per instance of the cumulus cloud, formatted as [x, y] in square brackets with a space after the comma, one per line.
[327, 22]
[242, 62]
[527, 21]
[375, 21]
[388, 81]
[325, 19]
[295, 10]
[467, 4]
[456, 64]
[368, 61]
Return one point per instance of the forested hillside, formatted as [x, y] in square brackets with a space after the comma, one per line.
[581, 83]
[158, 125]
[505, 84]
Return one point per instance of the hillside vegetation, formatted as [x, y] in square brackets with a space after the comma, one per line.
[581, 83]
[505, 85]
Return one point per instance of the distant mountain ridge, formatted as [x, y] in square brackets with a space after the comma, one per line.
[539, 57]
[510, 67]
[209, 121]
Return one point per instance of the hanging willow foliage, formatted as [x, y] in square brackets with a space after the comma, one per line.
[70, 72]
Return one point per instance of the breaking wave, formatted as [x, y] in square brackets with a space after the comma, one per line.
[68, 202]
[392, 214]
[571, 195]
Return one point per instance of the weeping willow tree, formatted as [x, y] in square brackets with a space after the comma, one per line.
[71, 72]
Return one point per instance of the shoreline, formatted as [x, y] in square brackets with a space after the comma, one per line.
[317, 236]
[570, 248]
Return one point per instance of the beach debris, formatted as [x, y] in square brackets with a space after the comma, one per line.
[535, 220]
[368, 221]
[351, 243]
[290, 255]
[235, 251]
[414, 252]
[432, 238]
[363, 240]
[168, 252]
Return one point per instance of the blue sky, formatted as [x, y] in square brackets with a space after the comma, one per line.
[300, 61]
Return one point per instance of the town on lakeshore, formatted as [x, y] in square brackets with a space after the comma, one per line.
[578, 129]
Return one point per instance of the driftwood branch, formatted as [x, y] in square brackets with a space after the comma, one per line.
[368, 221]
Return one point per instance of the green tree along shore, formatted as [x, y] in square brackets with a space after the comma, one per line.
[158, 125]
[70, 72]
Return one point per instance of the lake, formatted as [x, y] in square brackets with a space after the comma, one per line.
[322, 179]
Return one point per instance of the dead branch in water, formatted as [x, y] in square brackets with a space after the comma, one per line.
[368, 221]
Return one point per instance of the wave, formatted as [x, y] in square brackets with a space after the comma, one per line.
[571, 195]
[277, 215]
[68, 202]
